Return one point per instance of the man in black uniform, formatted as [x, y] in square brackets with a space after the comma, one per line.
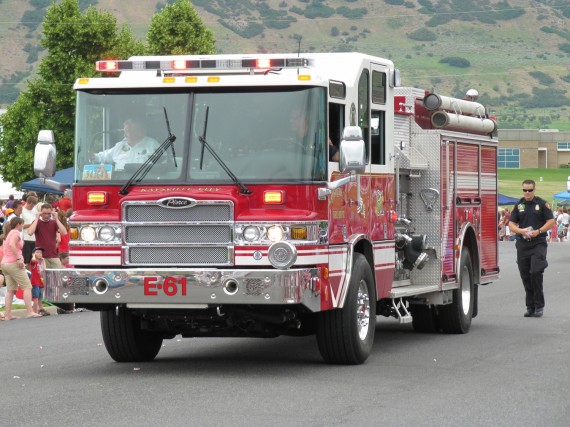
[530, 219]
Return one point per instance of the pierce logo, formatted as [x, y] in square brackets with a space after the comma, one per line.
[177, 202]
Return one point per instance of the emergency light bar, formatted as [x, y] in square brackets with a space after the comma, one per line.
[112, 66]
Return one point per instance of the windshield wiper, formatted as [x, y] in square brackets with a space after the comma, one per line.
[202, 139]
[144, 168]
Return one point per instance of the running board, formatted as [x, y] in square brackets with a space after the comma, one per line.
[410, 291]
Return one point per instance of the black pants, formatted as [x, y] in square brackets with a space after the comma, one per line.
[531, 258]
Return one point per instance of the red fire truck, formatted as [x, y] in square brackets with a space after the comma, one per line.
[274, 194]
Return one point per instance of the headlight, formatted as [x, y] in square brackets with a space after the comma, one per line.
[251, 233]
[87, 234]
[282, 255]
[106, 233]
[275, 233]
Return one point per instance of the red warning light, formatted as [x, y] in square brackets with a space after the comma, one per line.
[264, 63]
[107, 66]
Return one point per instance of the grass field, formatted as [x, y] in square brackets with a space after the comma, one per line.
[548, 181]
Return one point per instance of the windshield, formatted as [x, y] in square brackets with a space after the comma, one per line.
[259, 136]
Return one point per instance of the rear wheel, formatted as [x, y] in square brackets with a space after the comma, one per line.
[124, 339]
[456, 317]
[345, 335]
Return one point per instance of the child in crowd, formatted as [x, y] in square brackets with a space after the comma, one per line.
[64, 259]
[37, 268]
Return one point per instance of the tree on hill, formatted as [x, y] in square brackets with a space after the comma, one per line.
[74, 41]
[178, 30]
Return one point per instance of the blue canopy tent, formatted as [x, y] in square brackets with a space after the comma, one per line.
[563, 195]
[65, 176]
[506, 200]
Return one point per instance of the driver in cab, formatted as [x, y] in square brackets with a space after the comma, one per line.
[135, 147]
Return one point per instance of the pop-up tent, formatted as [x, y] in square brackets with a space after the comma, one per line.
[65, 176]
[563, 195]
[506, 200]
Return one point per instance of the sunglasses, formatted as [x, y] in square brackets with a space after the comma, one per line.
[528, 191]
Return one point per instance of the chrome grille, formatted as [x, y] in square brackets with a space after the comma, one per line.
[158, 235]
[198, 213]
[178, 234]
[178, 256]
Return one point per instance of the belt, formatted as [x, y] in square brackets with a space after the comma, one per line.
[533, 239]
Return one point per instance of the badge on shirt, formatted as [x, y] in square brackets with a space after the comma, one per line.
[520, 207]
[537, 208]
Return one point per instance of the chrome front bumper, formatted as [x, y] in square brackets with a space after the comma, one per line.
[184, 288]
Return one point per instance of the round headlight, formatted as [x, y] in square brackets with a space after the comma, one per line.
[282, 255]
[87, 234]
[275, 233]
[106, 233]
[251, 233]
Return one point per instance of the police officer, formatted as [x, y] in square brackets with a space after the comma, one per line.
[530, 219]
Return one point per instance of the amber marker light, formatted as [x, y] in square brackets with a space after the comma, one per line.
[168, 79]
[191, 79]
[298, 233]
[303, 77]
[97, 198]
[274, 197]
[83, 81]
[74, 233]
[213, 79]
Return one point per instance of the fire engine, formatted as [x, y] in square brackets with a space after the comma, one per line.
[274, 194]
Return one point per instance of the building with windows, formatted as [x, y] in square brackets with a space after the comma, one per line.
[533, 148]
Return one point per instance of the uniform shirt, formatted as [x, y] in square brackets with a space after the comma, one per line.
[123, 153]
[531, 214]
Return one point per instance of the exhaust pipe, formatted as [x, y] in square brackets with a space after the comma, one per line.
[100, 286]
[231, 287]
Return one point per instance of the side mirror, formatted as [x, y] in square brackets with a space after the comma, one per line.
[352, 151]
[45, 154]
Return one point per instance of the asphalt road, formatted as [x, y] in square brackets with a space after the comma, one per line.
[507, 371]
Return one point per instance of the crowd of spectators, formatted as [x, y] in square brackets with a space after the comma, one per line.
[34, 237]
[559, 233]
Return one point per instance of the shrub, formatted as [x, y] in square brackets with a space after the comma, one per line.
[564, 47]
[543, 78]
[423, 34]
[455, 61]
[316, 10]
[352, 13]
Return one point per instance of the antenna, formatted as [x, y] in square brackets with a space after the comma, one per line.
[299, 50]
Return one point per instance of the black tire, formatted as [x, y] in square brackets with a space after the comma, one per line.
[124, 340]
[455, 318]
[345, 335]
[425, 318]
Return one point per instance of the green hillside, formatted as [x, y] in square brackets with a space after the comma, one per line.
[515, 52]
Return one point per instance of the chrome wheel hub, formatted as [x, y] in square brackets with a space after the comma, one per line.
[363, 310]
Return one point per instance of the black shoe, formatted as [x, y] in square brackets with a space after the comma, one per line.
[529, 312]
[538, 312]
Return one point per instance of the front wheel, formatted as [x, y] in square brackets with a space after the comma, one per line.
[124, 339]
[455, 318]
[345, 335]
